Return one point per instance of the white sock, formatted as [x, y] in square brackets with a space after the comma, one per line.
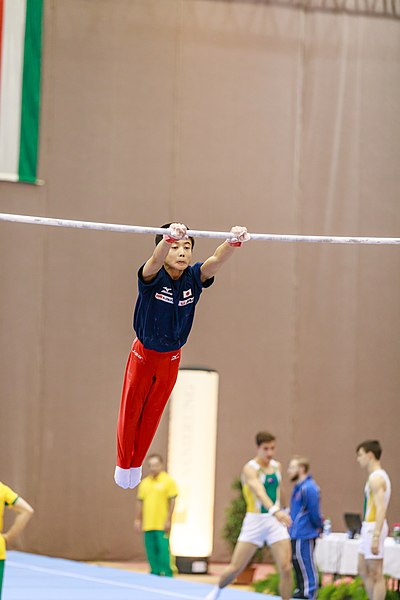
[214, 594]
[135, 476]
[121, 477]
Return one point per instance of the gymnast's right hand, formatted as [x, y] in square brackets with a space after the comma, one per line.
[178, 231]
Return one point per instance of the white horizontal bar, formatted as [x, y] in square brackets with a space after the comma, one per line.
[273, 237]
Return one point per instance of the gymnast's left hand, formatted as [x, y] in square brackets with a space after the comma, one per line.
[375, 545]
[240, 235]
[178, 231]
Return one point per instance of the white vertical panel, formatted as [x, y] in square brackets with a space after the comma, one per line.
[12, 60]
[191, 460]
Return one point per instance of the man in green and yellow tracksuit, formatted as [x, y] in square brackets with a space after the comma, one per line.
[155, 505]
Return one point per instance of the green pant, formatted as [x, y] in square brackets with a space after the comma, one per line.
[157, 550]
[2, 563]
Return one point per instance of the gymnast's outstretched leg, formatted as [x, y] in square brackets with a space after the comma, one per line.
[149, 379]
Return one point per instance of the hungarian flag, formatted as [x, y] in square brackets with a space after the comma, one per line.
[20, 65]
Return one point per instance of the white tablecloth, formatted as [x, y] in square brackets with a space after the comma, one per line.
[336, 553]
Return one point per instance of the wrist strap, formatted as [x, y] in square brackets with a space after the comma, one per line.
[167, 238]
[233, 244]
[274, 509]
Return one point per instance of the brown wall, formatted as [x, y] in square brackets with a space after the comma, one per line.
[213, 113]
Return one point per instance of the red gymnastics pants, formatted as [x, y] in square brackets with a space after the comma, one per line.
[149, 379]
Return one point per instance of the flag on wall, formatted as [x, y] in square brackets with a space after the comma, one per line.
[20, 65]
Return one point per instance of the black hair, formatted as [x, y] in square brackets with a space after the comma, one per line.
[371, 446]
[159, 237]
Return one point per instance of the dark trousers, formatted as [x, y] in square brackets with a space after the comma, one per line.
[305, 568]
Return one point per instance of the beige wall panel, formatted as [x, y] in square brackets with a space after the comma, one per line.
[215, 113]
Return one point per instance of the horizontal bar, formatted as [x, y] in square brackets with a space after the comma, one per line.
[272, 237]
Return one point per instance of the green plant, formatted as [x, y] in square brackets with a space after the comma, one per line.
[270, 584]
[349, 588]
[345, 588]
[339, 590]
[392, 595]
[234, 515]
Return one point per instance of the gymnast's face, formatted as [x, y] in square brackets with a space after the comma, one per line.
[179, 256]
[266, 451]
[363, 457]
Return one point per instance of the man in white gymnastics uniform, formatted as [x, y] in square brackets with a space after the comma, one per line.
[265, 522]
[374, 528]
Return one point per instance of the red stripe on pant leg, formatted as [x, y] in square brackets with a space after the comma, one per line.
[137, 383]
[167, 373]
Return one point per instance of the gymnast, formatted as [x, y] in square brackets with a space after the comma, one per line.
[169, 289]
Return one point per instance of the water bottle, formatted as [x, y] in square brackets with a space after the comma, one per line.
[327, 527]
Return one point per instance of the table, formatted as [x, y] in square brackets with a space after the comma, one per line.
[338, 554]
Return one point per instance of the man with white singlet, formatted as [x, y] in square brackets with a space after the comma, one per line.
[265, 522]
[374, 528]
